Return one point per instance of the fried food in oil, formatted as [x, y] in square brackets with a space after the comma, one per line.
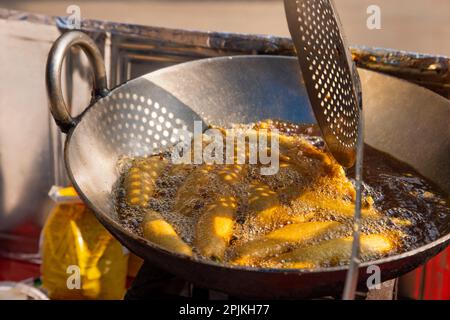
[265, 209]
[281, 240]
[297, 218]
[215, 227]
[201, 183]
[190, 193]
[336, 251]
[339, 207]
[140, 179]
[231, 173]
[159, 231]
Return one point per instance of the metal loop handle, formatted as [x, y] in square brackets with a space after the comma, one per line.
[55, 60]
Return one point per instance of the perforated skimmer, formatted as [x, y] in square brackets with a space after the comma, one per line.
[329, 74]
[334, 90]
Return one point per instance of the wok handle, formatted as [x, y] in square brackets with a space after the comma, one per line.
[55, 60]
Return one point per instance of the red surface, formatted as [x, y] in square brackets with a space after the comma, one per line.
[14, 270]
[437, 278]
[24, 239]
[437, 284]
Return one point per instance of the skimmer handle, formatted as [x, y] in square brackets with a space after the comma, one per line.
[334, 90]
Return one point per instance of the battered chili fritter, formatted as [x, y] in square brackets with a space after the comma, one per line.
[299, 217]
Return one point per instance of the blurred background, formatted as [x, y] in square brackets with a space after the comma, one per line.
[414, 25]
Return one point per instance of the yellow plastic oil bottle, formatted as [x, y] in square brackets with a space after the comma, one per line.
[80, 258]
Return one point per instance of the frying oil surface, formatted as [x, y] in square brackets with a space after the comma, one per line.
[295, 217]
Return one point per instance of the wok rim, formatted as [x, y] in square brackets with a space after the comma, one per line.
[108, 221]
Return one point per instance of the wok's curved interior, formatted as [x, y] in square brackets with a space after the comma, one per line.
[402, 119]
